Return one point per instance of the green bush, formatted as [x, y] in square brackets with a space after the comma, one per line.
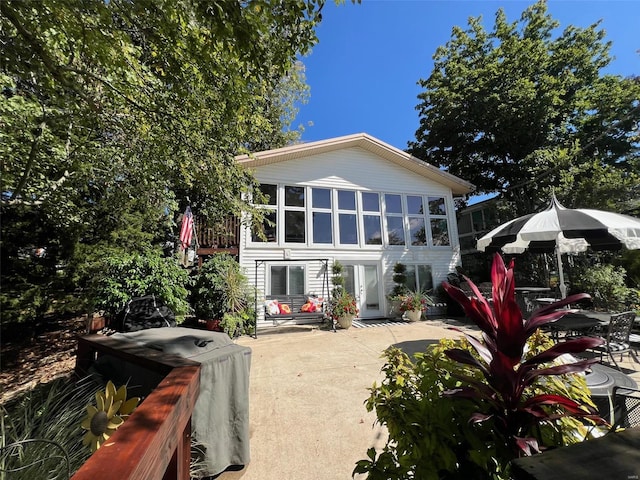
[430, 436]
[606, 285]
[122, 276]
[221, 291]
[44, 427]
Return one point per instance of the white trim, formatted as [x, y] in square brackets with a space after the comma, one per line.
[457, 185]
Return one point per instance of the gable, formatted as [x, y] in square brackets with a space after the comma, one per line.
[331, 157]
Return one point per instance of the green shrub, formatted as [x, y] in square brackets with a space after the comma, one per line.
[52, 413]
[122, 276]
[430, 436]
[221, 291]
[606, 285]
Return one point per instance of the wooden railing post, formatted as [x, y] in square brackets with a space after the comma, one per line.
[155, 441]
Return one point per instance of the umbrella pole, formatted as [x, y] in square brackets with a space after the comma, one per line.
[563, 287]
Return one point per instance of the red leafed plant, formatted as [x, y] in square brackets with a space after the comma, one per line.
[504, 397]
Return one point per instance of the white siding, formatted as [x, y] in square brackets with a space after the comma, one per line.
[357, 169]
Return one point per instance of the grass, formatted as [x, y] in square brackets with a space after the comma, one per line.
[41, 434]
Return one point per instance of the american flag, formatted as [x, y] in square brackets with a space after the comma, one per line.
[187, 229]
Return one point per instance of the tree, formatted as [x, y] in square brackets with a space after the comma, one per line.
[513, 109]
[115, 113]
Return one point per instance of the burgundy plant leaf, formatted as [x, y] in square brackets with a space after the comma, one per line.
[571, 299]
[479, 417]
[526, 445]
[575, 345]
[461, 392]
[482, 350]
[511, 338]
[567, 404]
[575, 367]
[483, 391]
[482, 319]
[464, 356]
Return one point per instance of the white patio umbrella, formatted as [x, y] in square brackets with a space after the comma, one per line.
[563, 230]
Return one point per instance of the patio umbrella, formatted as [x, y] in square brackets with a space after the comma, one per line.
[563, 230]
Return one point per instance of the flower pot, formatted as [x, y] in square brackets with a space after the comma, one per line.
[413, 315]
[345, 321]
[212, 325]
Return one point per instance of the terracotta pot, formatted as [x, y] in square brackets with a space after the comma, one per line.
[211, 324]
[345, 321]
[413, 315]
[96, 323]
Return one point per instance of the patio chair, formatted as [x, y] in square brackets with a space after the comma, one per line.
[617, 338]
[626, 404]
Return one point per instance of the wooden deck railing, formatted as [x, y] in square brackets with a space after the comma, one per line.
[226, 235]
[155, 441]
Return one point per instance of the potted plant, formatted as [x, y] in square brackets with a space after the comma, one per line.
[414, 303]
[344, 309]
[399, 289]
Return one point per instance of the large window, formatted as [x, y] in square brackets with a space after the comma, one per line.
[287, 280]
[419, 277]
[438, 222]
[371, 218]
[325, 216]
[322, 219]
[267, 231]
[394, 219]
[417, 232]
[294, 215]
[347, 217]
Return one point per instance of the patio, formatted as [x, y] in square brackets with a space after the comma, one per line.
[307, 394]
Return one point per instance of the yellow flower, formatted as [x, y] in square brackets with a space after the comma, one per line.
[111, 410]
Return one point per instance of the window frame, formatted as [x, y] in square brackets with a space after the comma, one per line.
[287, 267]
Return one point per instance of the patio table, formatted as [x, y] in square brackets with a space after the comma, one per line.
[583, 322]
[615, 455]
[601, 380]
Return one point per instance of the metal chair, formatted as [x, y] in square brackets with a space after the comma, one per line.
[617, 337]
[626, 405]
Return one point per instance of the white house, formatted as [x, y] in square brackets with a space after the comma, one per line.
[357, 200]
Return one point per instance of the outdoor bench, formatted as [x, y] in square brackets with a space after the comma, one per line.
[295, 303]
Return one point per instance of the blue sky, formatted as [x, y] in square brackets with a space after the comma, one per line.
[363, 73]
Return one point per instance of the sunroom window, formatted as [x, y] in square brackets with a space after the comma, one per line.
[371, 218]
[394, 219]
[417, 231]
[268, 228]
[322, 220]
[347, 217]
[294, 215]
[438, 222]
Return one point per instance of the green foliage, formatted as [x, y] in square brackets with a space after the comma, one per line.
[606, 285]
[400, 279]
[222, 291]
[52, 413]
[337, 278]
[121, 276]
[429, 435]
[417, 300]
[342, 305]
[115, 113]
[522, 101]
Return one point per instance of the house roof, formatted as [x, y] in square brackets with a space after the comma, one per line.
[366, 142]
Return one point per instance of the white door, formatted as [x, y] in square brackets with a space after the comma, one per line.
[362, 280]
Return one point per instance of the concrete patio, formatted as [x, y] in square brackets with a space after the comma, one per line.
[307, 392]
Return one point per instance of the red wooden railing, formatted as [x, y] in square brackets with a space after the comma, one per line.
[155, 441]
